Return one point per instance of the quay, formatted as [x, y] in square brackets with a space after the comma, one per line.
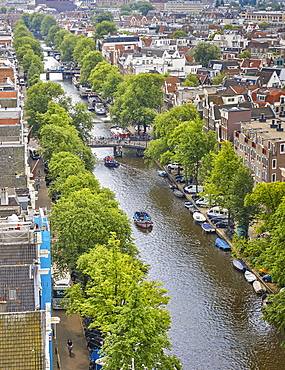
[270, 287]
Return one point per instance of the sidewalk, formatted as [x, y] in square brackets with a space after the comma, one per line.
[68, 327]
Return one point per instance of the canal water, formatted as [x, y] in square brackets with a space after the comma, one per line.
[216, 316]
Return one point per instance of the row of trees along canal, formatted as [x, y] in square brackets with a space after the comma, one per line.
[178, 135]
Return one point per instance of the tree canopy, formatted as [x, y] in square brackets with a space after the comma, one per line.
[203, 52]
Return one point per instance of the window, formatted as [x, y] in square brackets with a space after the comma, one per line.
[264, 176]
[273, 177]
[274, 161]
[12, 294]
[258, 158]
[282, 148]
[264, 161]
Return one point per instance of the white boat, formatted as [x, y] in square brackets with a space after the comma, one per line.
[249, 276]
[258, 287]
[119, 131]
[199, 217]
[178, 193]
[100, 109]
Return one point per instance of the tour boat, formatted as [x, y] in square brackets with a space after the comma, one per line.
[110, 161]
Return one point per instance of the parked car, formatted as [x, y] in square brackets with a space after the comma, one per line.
[192, 189]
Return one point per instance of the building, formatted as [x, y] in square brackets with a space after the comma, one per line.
[261, 145]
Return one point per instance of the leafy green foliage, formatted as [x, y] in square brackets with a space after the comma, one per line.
[47, 22]
[203, 52]
[137, 98]
[99, 74]
[89, 62]
[51, 34]
[106, 16]
[83, 46]
[217, 80]
[191, 80]
[104, 28]
[225, 166]
[245, 54]
[67, 47]
[85, 219]
[128, 309]
[178, 34]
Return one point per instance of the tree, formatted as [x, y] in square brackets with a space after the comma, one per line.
[104, 28]
[191, 80]
[203, 52]
[67, 47]
[21, 31]
[25, 40]
[89, 62]
[228, 27]
[99, 74]
[85, 219]
[59, 36]
[263, 25]
[245, 54]
[47, 22]
[38, 97]
[178, 34]
[30, 59]
[242, 185]
[218, 79]
[191, 144]
[145, 7]
[106, 16]
[36, 21]
[21, 51]
[162, 148]
[267, 197]
[79, 181]
[138, 98]
[81, 120]
[55, 139]
[225, 166]
[111, 83]
[126, 306]
[83, 46]
[51, 34]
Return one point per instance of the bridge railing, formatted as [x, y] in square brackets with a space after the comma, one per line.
[111, 141]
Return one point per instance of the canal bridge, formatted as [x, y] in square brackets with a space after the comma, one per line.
[119, 143]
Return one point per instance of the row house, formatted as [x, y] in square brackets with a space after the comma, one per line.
[274, 98]
[261, 145]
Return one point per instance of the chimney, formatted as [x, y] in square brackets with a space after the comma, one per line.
[262, 118]
[273, 124]
[4, 197]
[279, 127]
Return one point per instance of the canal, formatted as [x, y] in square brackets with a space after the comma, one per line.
[216, 316]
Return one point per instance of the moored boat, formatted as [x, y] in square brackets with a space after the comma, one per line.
[178, 193]
[119, 131]
[188, 204]
[111, 162]
[173, 186]
[208, 228]
[199, 217]
[143, 220]
[239, 265]
[249, 276]
[258, 287]
[162, 173]
[222, 244]
[100, 109]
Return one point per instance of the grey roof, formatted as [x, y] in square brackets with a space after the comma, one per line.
[10, 114]
[21, 254]
[267, 111]
[17, 287]
[12, 166]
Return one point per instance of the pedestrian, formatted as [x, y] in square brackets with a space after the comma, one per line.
[69, 346]
[39, 183]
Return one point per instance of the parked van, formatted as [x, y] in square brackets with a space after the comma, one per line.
[217, 212]
[34, 154]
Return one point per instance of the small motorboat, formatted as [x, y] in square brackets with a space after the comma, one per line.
[111, 162]
[208, 228]
[143, 220]
[222, 244]
[199, 217]
[162, 173]
[178, 193]
[249, 276]
[188, 204]
[173, 186]
[258, 287]
[239, 265]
